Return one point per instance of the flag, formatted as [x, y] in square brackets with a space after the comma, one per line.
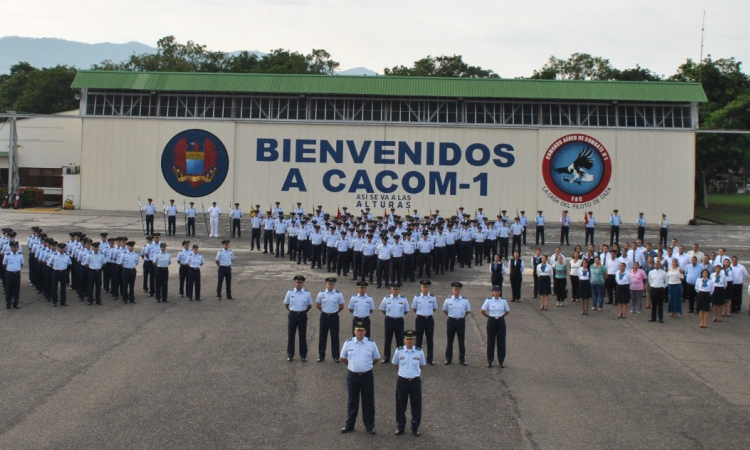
[338, 213]
[585, 218]
[385, 213]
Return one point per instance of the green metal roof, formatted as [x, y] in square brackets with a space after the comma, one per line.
[382, 86]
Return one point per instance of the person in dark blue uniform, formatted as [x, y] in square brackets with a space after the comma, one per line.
[408, 360]
[360, 354]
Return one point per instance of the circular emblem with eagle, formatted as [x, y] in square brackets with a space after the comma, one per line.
[195, 163]
[576, 168]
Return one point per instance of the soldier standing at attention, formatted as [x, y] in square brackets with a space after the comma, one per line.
[59, 263]
[298, 302]
[195, 261]
[147, 263]
[330, 302]
[236, 215]
[161, 261]
[12, 264]
[456, 307]
[614, 229]
[150, 210]
[408, 360]
[361, 306]
[182, 260]
[394, 307]
[424, 305]
[269, 223]
[256, 221]
[224, 259]
[495, 309]
[214, 212]
[95, 262]
[539, 227]
[191, 213]
[360, 354]
[129, 262]
[565, 228]
[171, 218]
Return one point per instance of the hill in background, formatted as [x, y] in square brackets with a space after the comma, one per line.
[50, 52]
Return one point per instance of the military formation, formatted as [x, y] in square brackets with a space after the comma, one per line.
[360, 353]
[106, 265]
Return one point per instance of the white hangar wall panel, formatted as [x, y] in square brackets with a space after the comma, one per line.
[651, 172]
[122, 160]
[47, 142]
[426, 168]
[383, 166]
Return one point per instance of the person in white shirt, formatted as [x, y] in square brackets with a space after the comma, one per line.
[544, 272]
[214, 212]
[704, 287]
[739, 275]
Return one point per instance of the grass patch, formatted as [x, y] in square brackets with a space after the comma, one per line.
[731, 209]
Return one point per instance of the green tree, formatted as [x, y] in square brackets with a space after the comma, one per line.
[580, 66]
[728, 108]
[172, 56]
[441, 66]
[13, 85]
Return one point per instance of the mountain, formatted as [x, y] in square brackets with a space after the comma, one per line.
[49, 52]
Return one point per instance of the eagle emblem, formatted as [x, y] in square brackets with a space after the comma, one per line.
[577, 170]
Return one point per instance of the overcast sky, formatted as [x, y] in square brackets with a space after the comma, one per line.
[513, 38]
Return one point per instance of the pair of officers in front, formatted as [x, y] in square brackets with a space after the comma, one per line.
[330, 302]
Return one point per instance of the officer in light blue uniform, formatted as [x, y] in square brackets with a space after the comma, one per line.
[408, 360]
[59, 262]
[361, 306]
[129, 262]
[182, 261]
[224, 259]
[195, 261]
[161, 261]
[424, 305]
[456, 307]
[191, 213]
[235, 215]
[394, 307]
[95, 262]
[298, 302]
[360, 354]
[330, 302]
[171, 218]
[150, 210]
[495, 309]
[12, 264]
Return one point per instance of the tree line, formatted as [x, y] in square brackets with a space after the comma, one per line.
[29, 89]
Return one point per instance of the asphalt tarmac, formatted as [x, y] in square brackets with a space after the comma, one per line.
[214, 375]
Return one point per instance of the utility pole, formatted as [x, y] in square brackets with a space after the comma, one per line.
[13, 177]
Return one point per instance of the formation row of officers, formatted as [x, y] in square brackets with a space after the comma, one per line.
[110, 264]
[361, 353]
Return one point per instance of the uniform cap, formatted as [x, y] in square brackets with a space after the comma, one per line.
[396, 236]
[257, 206]
[540, 211]
[103, 234]
[497, 289]
[236, 204]
[171, 199]
[523, 212]
[299, 203]
[616, 210]
[14, 244]
[185, 242]
[278, 203]
[157, 234]
[299, 278]
[409, 334]
[362, 284]
[130, 243]
[425, 283]
[163, 244]
[331, 280]
[192, 203]
[566, 211]
[456, 284]
[395, 285]
[61, 245]
[359, 326]
[195, 246]
[149, 238]
[225, 241]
